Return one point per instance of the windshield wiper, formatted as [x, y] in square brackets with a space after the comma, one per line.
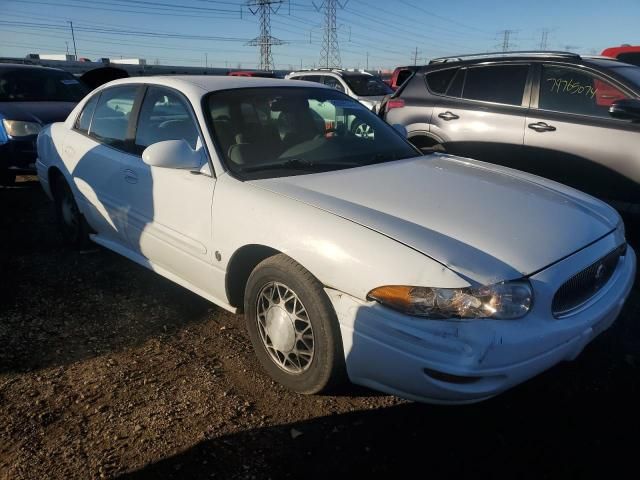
[300, 164]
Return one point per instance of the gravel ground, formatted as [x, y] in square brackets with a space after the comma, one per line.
[110, 371]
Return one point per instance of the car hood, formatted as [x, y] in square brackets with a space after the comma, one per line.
[41, 112]
[486, 223]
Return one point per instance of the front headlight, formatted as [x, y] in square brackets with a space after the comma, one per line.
[16, 128]
[507, 300]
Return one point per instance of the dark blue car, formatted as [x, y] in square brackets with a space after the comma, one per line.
[30, 98]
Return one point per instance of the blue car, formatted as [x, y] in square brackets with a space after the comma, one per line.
[31, 97]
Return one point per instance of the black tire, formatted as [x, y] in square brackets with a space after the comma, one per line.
[326, 369]
[7, 178]
[427, 144]
[73, 226]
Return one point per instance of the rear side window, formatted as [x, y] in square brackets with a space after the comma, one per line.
[455, 88]
[439, 81]
[403, 76]
[497, 83]
[310, 78]
[84, 119]
[573, 91]
[631, 57]
[111, 116]
[164, 116]
[333, 83]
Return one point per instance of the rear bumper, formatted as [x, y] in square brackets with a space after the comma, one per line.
[468, 361]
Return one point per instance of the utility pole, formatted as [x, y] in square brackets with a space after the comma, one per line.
[264, 8]
[544, 39]
[367, 67]
[206, 60]
[73, 36]
[415, 56]
[67, 44]
[330, 51]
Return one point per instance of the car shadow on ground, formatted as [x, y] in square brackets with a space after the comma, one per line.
[562, 436]
[59, 305]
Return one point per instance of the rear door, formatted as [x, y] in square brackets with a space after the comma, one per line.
[571, 138]
[483, 112]
[93, 151]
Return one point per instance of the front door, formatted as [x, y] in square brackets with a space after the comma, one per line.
[168, 211]
[571, 138]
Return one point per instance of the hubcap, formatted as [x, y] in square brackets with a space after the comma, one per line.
[285, 329]
[69, 212]
[364, 131]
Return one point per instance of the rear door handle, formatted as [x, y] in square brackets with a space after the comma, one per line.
[130, 176]
[448, 116]
[542, 127]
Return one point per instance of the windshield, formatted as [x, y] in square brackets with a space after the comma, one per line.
[275, 132]
[630, 73]
[39, 85]
[367, 85]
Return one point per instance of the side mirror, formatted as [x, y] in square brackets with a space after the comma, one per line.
[626, 109]
[172, 154]
[401, 129]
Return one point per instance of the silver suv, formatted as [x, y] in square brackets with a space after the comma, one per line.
[364, 87]
[565, 117]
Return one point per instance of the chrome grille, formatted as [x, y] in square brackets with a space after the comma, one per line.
[582, 286]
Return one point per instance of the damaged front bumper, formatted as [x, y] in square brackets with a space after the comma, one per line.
[456, 361]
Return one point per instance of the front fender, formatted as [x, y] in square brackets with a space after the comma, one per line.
[340, 253]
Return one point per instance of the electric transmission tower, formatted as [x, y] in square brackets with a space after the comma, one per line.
[264, 8]
[330, 52]
[507, 39]
[544, 40]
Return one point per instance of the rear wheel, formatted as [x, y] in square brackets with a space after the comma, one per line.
[293, 326]
[73, 226]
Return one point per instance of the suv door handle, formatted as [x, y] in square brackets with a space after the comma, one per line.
[448, 116]
[130, 176]
[542, 127]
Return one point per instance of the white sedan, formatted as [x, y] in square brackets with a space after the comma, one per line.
[435, 278]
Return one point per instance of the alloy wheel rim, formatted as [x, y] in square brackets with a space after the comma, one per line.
[364, 131]
[285, 329]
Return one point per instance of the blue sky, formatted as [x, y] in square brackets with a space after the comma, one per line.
[191, 32]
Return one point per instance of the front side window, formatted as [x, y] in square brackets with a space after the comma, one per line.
[111, 116]
[273, 132]
[367, 85]
[310, 78]
[84, 119]
[164, 116]
[39, 85]
[496, 83]
[570, 90]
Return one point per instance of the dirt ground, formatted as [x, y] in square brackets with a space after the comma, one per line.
[109, 371]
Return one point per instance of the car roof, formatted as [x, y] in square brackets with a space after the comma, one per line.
[22, 66]
[198, 85]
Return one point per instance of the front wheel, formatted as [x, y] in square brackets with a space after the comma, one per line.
[73, 226]
[293, 326]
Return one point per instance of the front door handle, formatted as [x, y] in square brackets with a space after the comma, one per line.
[542, 127]
[448, 116]
[130, 176]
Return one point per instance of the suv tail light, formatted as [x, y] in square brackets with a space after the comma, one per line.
[394, 103]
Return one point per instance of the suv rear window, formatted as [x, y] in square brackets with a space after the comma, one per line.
[439, 81]
[497, 83]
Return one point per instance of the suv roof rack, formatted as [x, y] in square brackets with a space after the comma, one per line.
[323, 69]
[529, 53]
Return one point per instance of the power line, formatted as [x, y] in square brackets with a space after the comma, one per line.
[265, 41]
